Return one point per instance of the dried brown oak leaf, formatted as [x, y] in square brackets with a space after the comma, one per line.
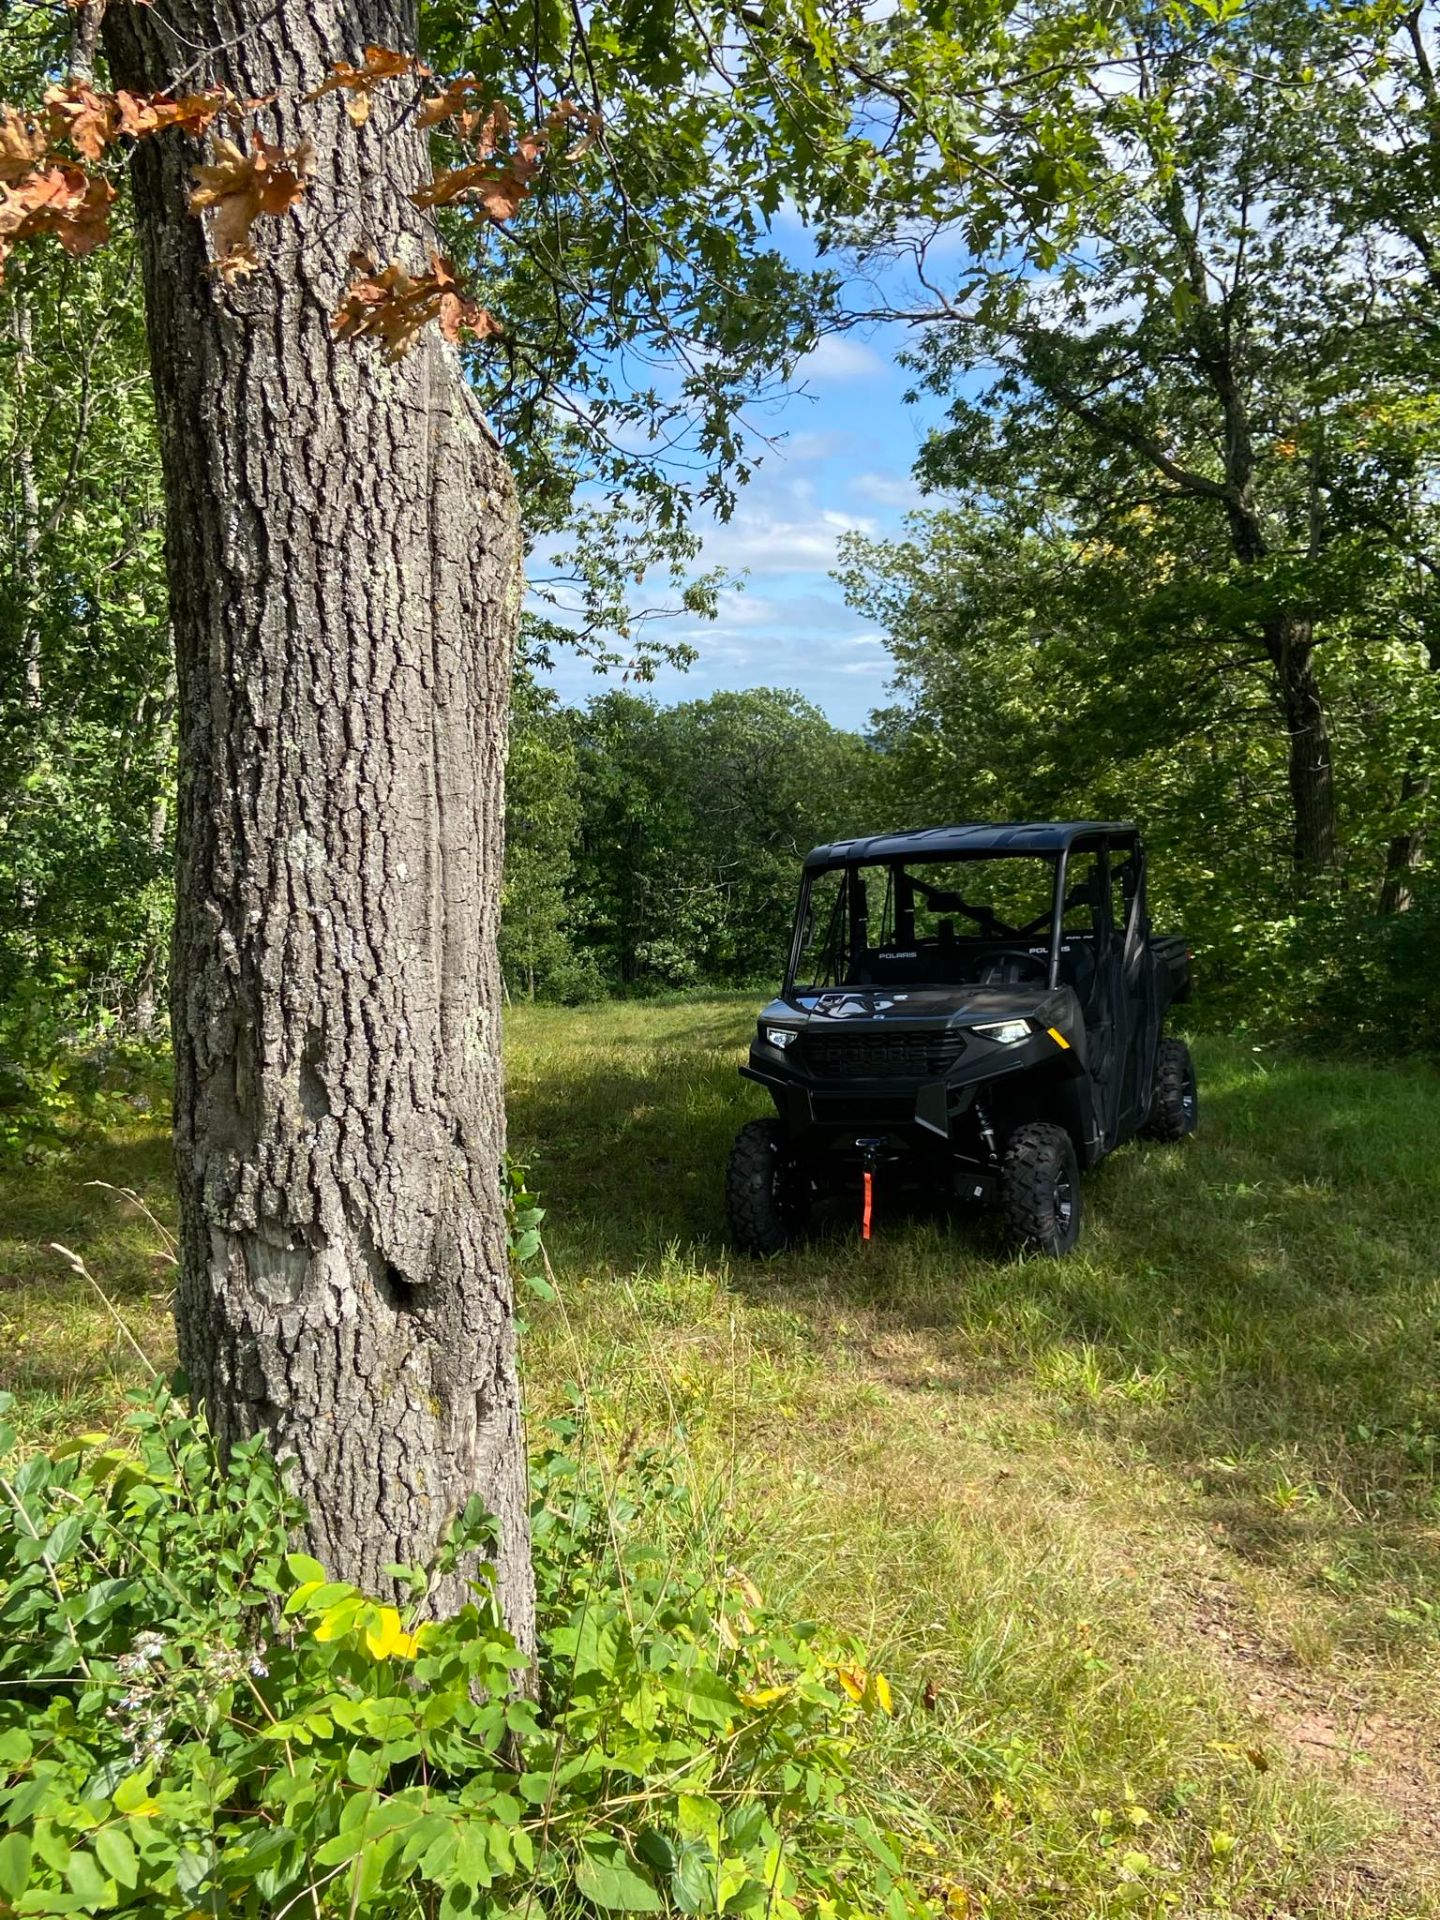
[23, 145]
[92, 121]
[380, 65]
[62, 200]
[145, 113]
[462, 101]
[87, 119]
[497, 188]
[393, 306]
[239, 187]
[498, 185]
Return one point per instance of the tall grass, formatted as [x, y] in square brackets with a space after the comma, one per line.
[1146, 1540]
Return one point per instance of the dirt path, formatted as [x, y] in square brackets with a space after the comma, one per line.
[1332, 1726]
[1328, 1723]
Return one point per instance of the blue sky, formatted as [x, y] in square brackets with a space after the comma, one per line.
[845, 459]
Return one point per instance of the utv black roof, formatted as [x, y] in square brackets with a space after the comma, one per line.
[972, 837]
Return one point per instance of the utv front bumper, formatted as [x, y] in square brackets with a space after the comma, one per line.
[916, 1085]
[810, 1108]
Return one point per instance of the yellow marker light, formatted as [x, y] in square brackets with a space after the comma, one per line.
[1058, 1037]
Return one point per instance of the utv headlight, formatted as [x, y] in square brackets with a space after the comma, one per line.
[1005, 1032]
[781, 1037]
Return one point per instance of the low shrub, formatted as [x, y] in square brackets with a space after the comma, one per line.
[1332, 971]
[59, 1081]
[196, 1720]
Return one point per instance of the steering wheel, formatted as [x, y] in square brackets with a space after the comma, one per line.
[1010, 966]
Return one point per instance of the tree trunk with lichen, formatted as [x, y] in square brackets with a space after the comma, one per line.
[344, 578]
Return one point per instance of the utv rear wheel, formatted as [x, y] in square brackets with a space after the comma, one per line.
[766, 1195]
[1174, 1104]
[1040, 1189]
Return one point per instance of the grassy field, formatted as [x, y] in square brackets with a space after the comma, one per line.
[1146, 1540]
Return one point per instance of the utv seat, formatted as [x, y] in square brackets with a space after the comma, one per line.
[1078, 968]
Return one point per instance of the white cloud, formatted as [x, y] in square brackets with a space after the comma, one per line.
[838, 357]
[741, 609]
[771, 545]
[888, 490]
[797, 448]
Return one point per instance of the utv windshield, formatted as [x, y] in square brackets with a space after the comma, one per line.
[928, 922]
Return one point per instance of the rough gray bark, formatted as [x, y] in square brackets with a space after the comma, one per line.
[344, 580]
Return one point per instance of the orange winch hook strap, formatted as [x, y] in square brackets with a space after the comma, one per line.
[865, 1213]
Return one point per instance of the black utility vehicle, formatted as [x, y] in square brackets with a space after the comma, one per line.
[978, 1009]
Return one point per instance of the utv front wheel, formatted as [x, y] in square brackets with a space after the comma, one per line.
[766, 1195]
[1174, 1104]
[1040, 1189]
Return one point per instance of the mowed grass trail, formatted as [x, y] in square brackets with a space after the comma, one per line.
[1149, 1538]
[1146, 1541]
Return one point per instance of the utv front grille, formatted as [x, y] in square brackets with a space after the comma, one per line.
[880, 1056]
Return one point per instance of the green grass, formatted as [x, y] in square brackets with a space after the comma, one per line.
[1146, 1540]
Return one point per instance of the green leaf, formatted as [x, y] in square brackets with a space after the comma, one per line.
[116, 1855]
[131, 1793]
[608, 1876]
[15, 1853]
[64, 1539]
[693, 1879]
[87, 1882]
[703, 1695]
[101, 1600]
[192, 1870]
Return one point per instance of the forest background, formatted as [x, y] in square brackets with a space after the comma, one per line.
[1175, 559]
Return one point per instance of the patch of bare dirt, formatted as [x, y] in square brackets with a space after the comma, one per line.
[1332, 1726]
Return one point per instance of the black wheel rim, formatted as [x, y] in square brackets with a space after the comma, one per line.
[1064, 1207]
[782, 1191]
[1187, 1099]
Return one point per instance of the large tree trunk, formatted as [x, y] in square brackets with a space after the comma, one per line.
[1311, 767]
[344, 580]
[1406, 851]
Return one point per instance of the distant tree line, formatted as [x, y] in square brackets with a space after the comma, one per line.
[654, 847]
[1181, 564]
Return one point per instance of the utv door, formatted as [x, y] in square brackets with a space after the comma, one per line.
[1137, 982]
[1090, 962]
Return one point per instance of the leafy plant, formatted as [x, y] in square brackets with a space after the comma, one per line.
[194, 1719]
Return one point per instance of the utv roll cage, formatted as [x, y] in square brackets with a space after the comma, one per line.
[1052, 841]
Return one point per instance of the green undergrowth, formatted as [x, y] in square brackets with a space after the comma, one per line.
[1146, 1542]
[195, 1720]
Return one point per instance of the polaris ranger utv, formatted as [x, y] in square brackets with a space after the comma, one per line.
[975, 1009]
